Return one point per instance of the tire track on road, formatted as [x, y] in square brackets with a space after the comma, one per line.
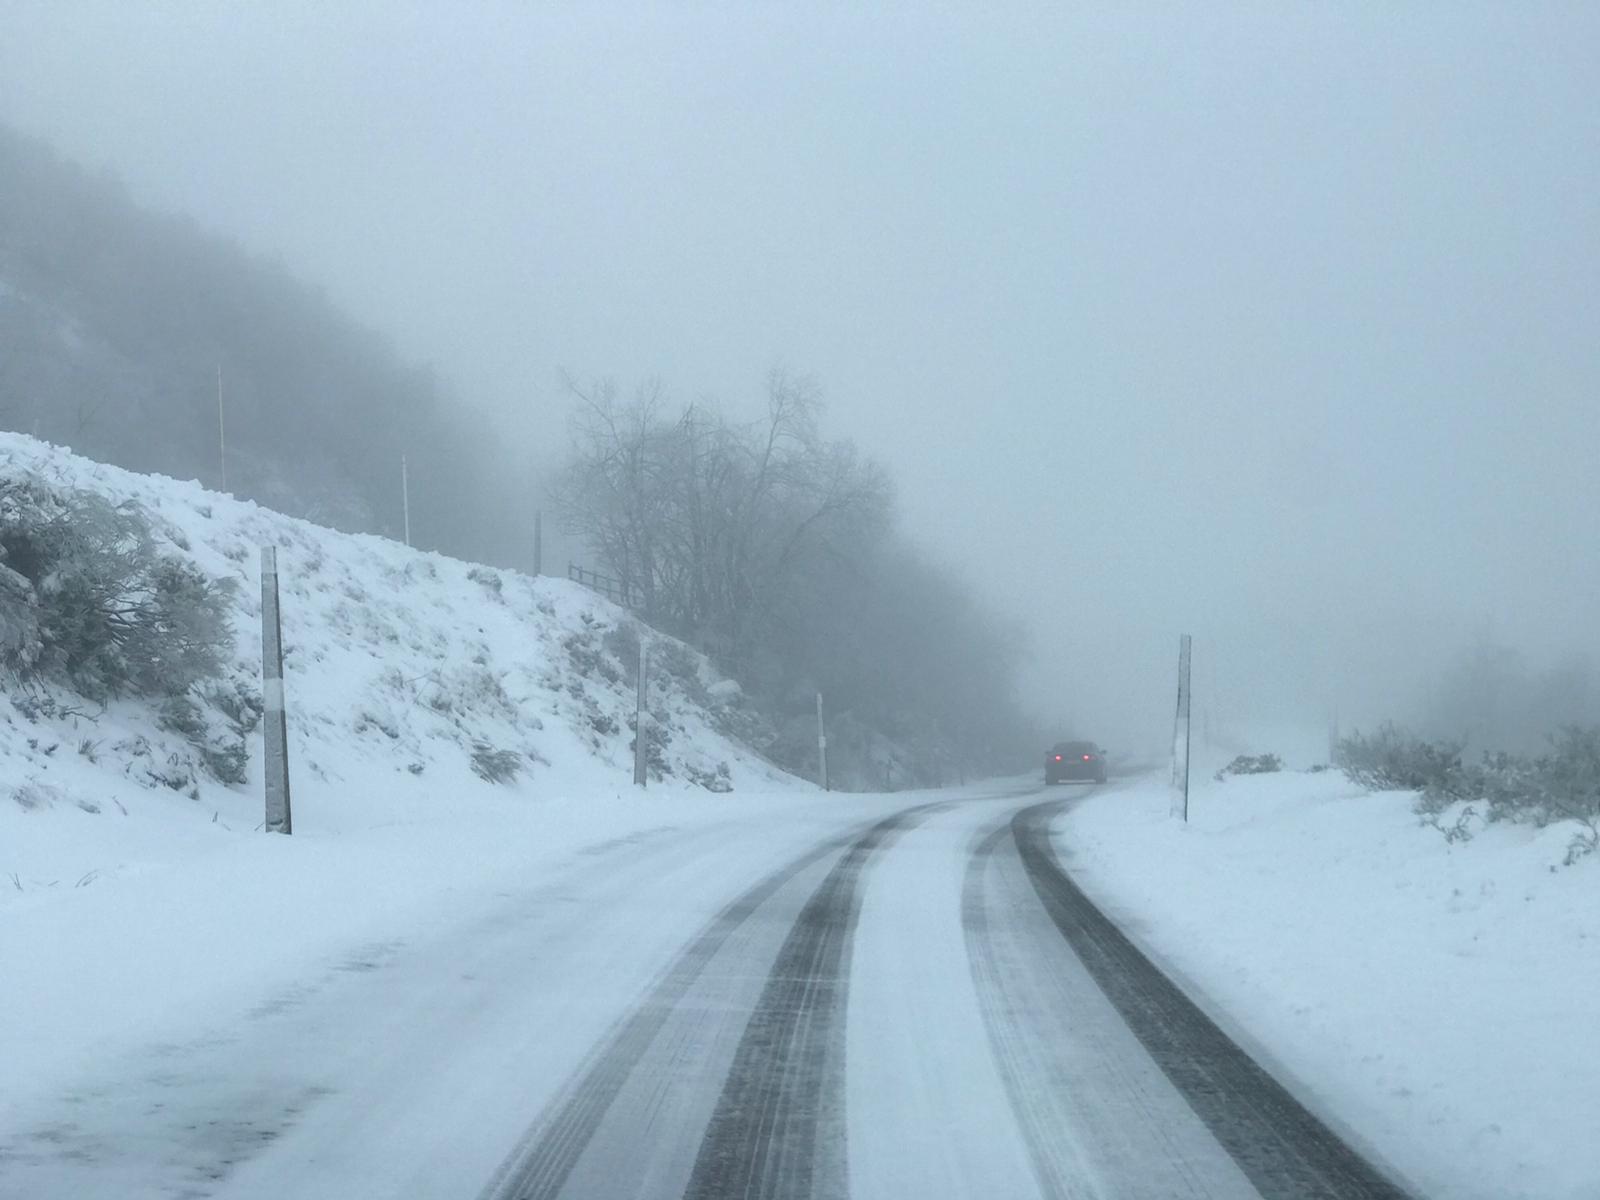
[1286, 1151]
[1057, 1162]
[539, 1167]
[778, 1132]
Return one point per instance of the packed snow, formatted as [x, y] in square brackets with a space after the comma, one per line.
[1434, 998]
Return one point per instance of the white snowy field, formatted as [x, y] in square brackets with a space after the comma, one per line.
[1438, 1000]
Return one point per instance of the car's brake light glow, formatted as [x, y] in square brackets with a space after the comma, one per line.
[1058, 758]
[1087, 757]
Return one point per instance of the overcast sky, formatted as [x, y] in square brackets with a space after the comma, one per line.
[1276, 324]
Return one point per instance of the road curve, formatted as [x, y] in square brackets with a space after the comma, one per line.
[731, 1078]
[880, 997]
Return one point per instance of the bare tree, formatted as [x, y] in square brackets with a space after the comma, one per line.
[708, 520]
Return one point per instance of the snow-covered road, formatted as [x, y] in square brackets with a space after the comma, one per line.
[903, 996]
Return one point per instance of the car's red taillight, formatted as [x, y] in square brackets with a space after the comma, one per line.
[1087, 757]
[1058, 758]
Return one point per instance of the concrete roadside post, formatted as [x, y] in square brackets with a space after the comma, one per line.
[641, 718]
[1180, 735]
[274, 725]
[405, 495]
[822, 747]
[222, 433]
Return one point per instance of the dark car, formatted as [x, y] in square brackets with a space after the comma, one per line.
[1081, 761]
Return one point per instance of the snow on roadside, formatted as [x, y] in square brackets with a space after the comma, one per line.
[412, 680]
[134, 890]
[1436, 999]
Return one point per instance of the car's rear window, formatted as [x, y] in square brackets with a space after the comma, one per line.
[1074, 748]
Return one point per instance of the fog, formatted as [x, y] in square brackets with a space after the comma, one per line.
[1271, 325]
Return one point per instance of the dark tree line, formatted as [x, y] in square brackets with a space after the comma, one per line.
[775, 550]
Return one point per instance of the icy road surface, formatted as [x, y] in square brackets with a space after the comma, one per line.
[907, 999]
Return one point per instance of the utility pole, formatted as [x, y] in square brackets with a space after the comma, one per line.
[822, 747]
[1180, 735]
[641, 760]
[222, 432]
[405, 495]
[274, 725]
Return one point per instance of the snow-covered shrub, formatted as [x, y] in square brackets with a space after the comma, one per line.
[589, 657]
[657, 738]
[677, 662]
[238, 701]
[1570, 775]
[471, 690]
[713, 779]
[32, 796]
[225, 756]
[1392, 759]
[1562, 784]
[489, 580]
[91, 602]
[21, 643]
[494, 765]
[1252, 764]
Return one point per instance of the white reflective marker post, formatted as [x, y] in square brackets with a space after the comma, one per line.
[275, 728]
[822, 747]
[640, 718]
[1180, 736]
[405, 496]
[222, 433]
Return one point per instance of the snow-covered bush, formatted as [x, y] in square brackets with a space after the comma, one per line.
[713, 779]
[1562, 784]
[225, 756]
[1251, 764]
[87, 599]
[21, 644]
[493, 765]
[1393, 759]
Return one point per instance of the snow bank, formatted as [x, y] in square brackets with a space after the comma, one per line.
[1440, 995]
[134, 892]
[413, 680]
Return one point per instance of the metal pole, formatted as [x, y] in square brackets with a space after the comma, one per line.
[538, 543]
[222, 432]
[1180, 735]
[641, 718]
[405, 495]
[822, 747]
[275, 728]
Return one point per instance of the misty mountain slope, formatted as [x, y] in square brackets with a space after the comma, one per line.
[414, 681]
[115, 321]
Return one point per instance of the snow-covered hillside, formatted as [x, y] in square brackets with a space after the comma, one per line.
[415, 682]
